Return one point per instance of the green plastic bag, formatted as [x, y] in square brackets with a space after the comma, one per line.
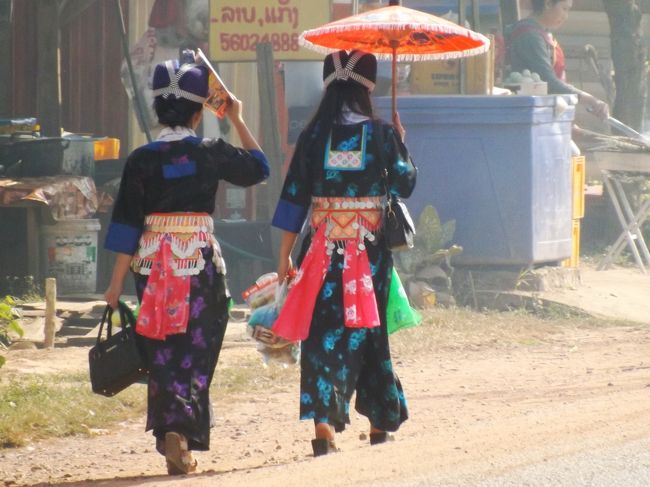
[399, 313]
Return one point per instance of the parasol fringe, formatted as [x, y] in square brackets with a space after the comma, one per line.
[315, 47]
[440, 29]
[442, 56]
[387, 56]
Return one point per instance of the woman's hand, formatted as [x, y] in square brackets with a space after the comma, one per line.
[398, 126]
[115, 288]
[234, 110]
[595, 106]
[112, 295]
[284, 267]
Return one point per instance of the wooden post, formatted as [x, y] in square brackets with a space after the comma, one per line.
[140, 109]
[50, 312]
[462, 75]
[48, 68]
[6, 85]
[629, 56]
[33, 244]
[271, 141]
[509, 10]
[476, 16]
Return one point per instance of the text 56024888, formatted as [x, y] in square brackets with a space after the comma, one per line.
[248, 42]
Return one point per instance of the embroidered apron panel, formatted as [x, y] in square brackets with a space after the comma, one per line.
[186, 235]
[347, 218]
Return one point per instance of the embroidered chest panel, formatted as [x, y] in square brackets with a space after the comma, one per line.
[346, 154]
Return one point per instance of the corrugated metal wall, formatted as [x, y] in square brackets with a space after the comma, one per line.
[93, 99]
[24, 80]
[139, 11]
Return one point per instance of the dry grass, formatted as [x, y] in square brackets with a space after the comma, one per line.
[37, 407]
[462, 328]
[247, 374]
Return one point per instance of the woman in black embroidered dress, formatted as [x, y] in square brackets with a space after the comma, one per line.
[337, 302]
[161, 229]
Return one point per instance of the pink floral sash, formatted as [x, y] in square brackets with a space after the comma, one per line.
[166, 299]
[341, 225]
[170, 252]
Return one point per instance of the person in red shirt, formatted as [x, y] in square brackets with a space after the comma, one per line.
[531, 45]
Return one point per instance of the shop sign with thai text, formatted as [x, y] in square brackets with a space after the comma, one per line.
[237, 26]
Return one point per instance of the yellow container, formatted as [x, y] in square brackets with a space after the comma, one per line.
[578, 178]
[107, 149]
[574, 260]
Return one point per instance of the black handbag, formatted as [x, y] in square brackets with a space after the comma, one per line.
[118, 361]
[398, 227]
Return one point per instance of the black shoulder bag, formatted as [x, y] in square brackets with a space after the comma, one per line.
[118, 361]
[398, 226]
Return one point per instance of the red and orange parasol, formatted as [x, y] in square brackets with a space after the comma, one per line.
[399, 34]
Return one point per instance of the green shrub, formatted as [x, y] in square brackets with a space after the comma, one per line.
[8, 323]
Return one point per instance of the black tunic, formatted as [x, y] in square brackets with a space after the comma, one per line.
[171, 177]
[336, 361]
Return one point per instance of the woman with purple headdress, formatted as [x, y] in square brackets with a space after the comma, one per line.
[162, 230]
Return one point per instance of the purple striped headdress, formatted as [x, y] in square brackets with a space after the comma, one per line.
[188, 81]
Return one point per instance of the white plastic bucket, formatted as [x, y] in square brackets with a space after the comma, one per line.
[70, 254]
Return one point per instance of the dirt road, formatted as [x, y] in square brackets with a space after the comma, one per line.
[481, 408]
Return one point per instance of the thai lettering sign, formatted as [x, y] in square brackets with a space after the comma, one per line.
[237, 26]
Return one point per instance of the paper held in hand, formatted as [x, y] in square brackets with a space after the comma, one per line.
[219, 97]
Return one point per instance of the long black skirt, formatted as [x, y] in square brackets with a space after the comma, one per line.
[337, 361]
[182, 366]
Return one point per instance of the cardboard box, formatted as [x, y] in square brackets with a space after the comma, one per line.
[435, 77]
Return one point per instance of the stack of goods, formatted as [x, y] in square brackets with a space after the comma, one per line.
[10, 126]
[525, 83]
[265, 299]
[12, 130]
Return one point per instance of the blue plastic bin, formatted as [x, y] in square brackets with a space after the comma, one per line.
[498, 165]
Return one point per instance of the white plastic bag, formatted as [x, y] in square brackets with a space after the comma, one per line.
[271, 346]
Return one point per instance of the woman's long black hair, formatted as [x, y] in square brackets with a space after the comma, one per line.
[175, 112]
[337, 95]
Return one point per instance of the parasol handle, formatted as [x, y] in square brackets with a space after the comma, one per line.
[394, 84]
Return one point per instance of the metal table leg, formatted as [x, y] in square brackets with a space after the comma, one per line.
[635, 220]
[630, 222]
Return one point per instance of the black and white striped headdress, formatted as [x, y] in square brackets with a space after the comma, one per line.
[357, 66]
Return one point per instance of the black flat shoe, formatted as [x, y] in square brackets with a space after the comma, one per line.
[379, 438]
[323, 446]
